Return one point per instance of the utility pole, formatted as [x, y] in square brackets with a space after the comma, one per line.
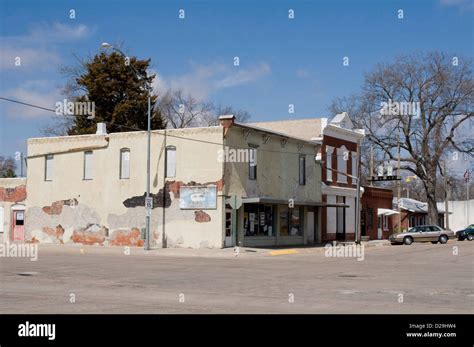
[399, 187]
[148, 200]
[371, 163]
[446, 197]
[148, 214]
[21, 165]
[357, 219]
[467, 176]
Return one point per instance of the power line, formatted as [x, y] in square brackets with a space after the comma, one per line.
[163, 134]
[27, 104]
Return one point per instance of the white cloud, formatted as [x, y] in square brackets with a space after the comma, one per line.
[41, 33]
[203, 80]
[36, 48]
[303, 73]
[462, 4]
[37, 58]
[244, 76]
[35, 92]
[60, 32]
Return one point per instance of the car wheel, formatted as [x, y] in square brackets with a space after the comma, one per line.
[470, 237]
[407, 240]
[434, 242]
[443, 239]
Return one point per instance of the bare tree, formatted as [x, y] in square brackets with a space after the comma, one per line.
[241, 116]
[182, 110]
[7, 167]
[442, 91]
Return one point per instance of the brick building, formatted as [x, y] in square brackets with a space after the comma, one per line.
[414, 213]
[339, 152]
[376, 222]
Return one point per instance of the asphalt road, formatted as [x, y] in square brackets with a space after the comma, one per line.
[421, 278]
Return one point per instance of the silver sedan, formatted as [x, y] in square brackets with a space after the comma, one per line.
[422, 233]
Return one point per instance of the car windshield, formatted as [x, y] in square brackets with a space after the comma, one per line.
[470, 226]
[412, 230]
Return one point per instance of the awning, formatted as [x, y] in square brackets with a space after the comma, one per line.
[386, 212]
[264, 200]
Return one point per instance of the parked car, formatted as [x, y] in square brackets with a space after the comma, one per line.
[467, 233]
[422, 233]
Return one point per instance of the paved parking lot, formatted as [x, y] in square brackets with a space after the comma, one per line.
[421, 278]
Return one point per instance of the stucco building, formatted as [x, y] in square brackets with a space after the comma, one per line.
[339, 152]
[12, 209]
[90, 189]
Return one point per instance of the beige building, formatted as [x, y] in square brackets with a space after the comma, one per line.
[339, 156]
[12, 208]
[90, 189]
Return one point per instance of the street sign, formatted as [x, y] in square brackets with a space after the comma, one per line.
[235, 202]
[148, 203]
[384, 178]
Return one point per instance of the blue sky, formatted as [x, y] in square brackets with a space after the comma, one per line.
[282, 61]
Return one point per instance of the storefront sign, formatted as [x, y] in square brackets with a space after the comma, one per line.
[198, 197]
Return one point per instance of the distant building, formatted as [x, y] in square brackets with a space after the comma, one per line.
[12, 209]
[461, 213]
[414, 213]
[376, 211]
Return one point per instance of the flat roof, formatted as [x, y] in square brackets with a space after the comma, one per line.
[277, 133]
[306, 128]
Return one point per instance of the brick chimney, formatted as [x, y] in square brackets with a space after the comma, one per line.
[226, 121]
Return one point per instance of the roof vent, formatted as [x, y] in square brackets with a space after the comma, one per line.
[101, 129]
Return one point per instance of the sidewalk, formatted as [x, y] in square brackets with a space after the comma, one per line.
[245, 252]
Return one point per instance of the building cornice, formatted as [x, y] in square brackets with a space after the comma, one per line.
[343, 134]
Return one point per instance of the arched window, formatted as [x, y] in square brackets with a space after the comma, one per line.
[342, 158]
[355, 172]
[125, 163]
[170, 161]
[329, 151]
[88, 155]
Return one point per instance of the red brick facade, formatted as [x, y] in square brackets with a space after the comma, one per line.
[373, 199]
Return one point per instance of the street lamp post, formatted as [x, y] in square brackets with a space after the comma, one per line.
[148, 201]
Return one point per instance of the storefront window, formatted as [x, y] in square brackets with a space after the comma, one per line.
[258, 220]
[284, 221]
[370, 219]
[291, 223]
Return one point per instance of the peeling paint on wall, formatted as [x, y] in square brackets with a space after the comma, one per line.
[56, 233]
[126, 238]
[201, 217]
[38, 223]
[90, 235]
[57, 206]
[159, 200]
[16, 194]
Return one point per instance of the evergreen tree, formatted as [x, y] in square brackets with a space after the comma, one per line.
[119, 88]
